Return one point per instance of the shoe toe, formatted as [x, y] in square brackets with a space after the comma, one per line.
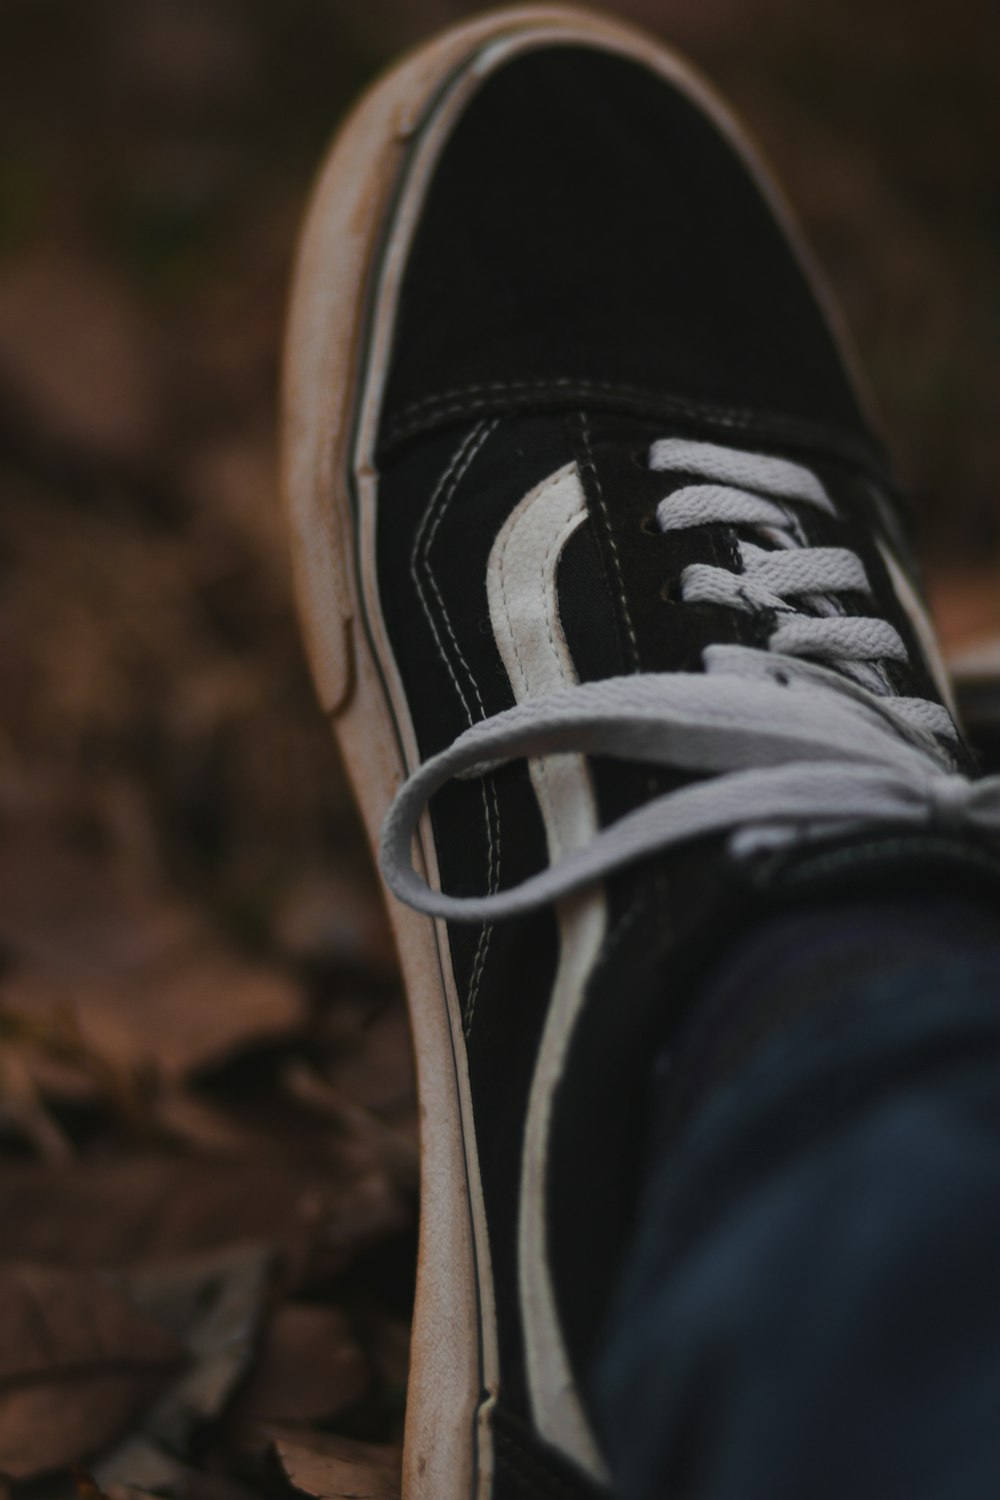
[591, 226]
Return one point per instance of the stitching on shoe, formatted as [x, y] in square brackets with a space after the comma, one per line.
[570, 383]
[464, 405]
[459, 401]
[483, 946]
[441, 498]
[499, 386]
[589, 464]
[439, 502]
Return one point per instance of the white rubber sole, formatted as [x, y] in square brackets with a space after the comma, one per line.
[349, 266]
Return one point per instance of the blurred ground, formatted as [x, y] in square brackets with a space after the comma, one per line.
[204, 1083]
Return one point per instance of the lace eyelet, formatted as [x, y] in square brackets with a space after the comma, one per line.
[671, 592]
[640, 458]
[650, 525]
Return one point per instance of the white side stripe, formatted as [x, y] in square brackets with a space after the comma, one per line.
[524, 611]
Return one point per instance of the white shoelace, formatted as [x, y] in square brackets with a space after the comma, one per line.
[799, 748]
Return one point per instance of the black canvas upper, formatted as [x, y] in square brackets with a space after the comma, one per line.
[595, 269]
[590, 237]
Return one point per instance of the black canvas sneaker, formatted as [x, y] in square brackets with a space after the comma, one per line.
[608, 598]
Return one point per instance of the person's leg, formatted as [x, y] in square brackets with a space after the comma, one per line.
[797, 961]
[810, 1306]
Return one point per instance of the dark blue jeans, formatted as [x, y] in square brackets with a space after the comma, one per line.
[811, 1307]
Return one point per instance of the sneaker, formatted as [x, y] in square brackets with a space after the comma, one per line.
[608, 596]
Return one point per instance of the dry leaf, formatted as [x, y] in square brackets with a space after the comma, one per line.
[374, 1210]
[77, 347]
[23, 1110]
[58, 1320]
[335, 1468]
[77, 1363]
[214, 1305]
[236, 478]
[388, 1148]
[140, 1467]
[195, 1122]
[85, 1485]
[78, 914]
[374, 1066]
[175, 1019]
[336, 918]
[310, 1369]
[112, 978]
[217, 1487]
[151, 1207]
[966, 605]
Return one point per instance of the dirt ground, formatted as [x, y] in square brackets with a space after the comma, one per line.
[207, 1125]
